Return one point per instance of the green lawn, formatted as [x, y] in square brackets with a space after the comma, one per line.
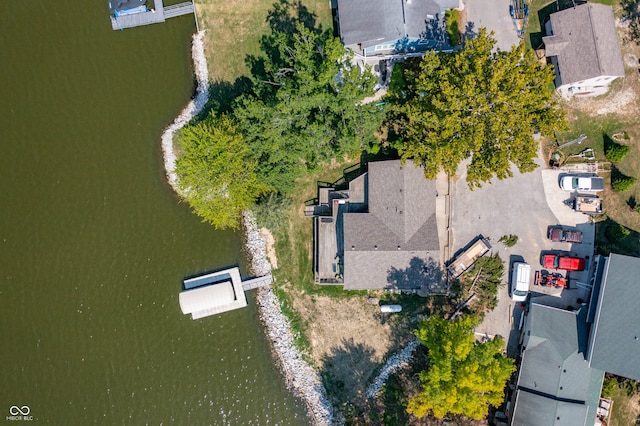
[625, 408]
[234, 29]
[618, 206]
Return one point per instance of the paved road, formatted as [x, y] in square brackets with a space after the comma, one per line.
[494, 15]
[524, 205]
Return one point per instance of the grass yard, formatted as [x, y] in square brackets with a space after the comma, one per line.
[618, 206]
[294, 242]
[234, 29]
[626, 409]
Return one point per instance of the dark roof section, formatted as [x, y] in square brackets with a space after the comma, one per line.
[372, 22]
[615, 334]
[395, 244]
[585, 43]
[120, 5]
[555, 384]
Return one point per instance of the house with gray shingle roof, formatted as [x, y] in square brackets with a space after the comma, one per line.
[382, 27]
[380, 233]
[582, 44]
[555, 385]
[614, 314]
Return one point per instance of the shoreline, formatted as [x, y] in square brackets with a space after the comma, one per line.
[193, 108]
[299, 377]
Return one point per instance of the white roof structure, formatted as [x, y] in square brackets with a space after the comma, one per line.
[214, 298]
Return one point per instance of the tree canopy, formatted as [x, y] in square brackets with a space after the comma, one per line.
[484, 280]
[302, 105]
[305, 106]
[216, 173]
[478, 104]
[463, 377]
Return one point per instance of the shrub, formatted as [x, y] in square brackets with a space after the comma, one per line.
[616, 152]
[616, 232]
[609, 387]
[452, 17]
[621, 183]
[272, 211]
[509, 240]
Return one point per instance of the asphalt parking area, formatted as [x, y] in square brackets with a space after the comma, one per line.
[493, 15]
[524, 205]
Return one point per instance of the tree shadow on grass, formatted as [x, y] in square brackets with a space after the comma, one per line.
[223, 95]
[346, 373]
[612, 237]
[543, 15]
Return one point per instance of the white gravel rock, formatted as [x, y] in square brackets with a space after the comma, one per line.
[193, 108]
[399, 360]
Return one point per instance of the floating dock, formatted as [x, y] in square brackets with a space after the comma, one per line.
[156, 15]
[218, 292]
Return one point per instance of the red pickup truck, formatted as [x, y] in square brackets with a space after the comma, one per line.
[558, 261]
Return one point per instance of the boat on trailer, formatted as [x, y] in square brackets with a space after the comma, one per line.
[519, 11]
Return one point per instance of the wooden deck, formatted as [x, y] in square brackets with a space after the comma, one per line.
[157, 15]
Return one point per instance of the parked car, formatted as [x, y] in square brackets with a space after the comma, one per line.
[560, 234]
[581, 183]
[520, 281]
[560, 261]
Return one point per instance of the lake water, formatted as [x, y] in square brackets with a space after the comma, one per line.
[94, 244]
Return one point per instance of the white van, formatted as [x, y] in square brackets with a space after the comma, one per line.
[520, 281]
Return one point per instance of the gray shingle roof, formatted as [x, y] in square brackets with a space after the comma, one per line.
[372, 22]
[120, 5]
[555, 380]
[585, 43]
[396, 238]
[615, 334]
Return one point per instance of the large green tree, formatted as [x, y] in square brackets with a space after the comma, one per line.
[215, 171]
[478, 104]
[306, 103]
[463, 376]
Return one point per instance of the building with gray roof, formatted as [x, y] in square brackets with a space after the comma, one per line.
[374, 27]
[555, 385]
[582, 44]
[381, 233]
[614, 341]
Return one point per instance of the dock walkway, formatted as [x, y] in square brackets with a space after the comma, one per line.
[156, 15]
[257, 282]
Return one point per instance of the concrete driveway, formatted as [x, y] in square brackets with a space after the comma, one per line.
[524, 205]
[493, 15]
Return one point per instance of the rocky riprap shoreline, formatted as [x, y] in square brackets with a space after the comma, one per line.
[193, 108]
[303, 380]
[299, 376]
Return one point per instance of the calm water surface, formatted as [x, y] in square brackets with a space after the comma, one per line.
[94, 245]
